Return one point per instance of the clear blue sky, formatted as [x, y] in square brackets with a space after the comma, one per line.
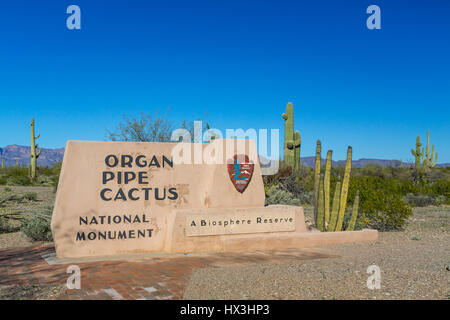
[240, 61]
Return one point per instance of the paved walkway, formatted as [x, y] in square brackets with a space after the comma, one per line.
[145, 279]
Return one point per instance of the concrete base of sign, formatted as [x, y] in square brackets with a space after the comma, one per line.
[263, 234]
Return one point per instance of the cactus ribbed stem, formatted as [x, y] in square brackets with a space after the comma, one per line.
[288, 117]
[292, 141]
[335, 208]
[317, 177]
[321, 207]
[297, 145]
[326, 187]
[344, 191]
[352, 223]
[34, 151]
[417, 154]
[428, 160]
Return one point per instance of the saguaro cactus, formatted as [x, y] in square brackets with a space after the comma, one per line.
[428, 162]
[417, 154]
[292, 141]
[34, 151]
[317, 177]
[344, 191]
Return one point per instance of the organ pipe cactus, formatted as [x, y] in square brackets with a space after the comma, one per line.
[292, 141]
[344, 191]
[34, 151]
[326, 221]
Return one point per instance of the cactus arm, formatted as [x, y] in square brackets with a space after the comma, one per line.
[432, 157]
[297, 146]
[435, 161]
[335, 209]
[417, 154]
[320, 207]
[289, 151]
[34, 152]
[317, 177]
[326, 187]
[352, 223]
[344, 192]
[429, 160]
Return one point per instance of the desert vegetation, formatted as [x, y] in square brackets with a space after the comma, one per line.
[377, 197]
[340, 197]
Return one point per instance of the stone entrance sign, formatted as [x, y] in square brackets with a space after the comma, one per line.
[126, 197]
[116, 197]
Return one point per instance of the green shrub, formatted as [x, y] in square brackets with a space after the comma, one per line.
[56, 171]
[279, 196]
[37, 226]
[392, 217]
[37, 229]
[298, 183]
[6, 226]
[20, 176]
[381, 202]
[441, 199]
[18, 181]
[419, 200]
[30, 196]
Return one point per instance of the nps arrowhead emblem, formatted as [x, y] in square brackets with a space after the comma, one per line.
[240, 170]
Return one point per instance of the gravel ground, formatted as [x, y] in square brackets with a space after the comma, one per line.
[14, 239]
[414, 264]
[45, 197]
[30, 292]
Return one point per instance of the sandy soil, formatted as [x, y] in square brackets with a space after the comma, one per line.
[414, 264]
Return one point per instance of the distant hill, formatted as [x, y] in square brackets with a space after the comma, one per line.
[13, 153]
[361, 163]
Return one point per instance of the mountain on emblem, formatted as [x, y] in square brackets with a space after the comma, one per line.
[240, 170]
